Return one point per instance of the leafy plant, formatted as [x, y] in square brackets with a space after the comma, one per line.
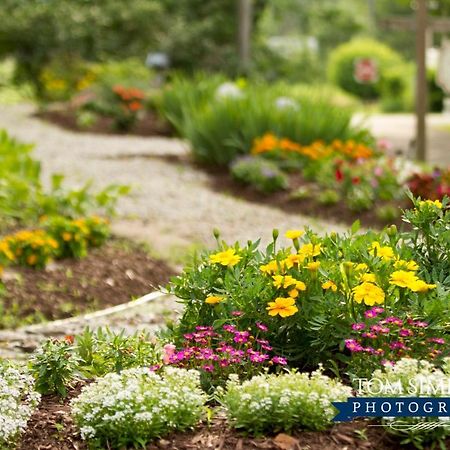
[263, 175]
[54, 366]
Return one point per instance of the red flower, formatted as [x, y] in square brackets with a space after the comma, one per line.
[339, 175]
[70, 339]
[356, 180]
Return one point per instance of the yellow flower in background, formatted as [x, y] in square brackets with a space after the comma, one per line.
[385, 252]
[67, 236]
[368, 293]
[284, 307]
[329, 285]
[300, 286]
[281, 281]
[421, 286]
[436, 203]
[293, 293]
[403, 278]
[369, 277]
[292, 260]
[293, 234]
[313, 266]
[226, 258]
[32, 259]
[213, 299]
[406, 265]
[309, 250]
[4, 248]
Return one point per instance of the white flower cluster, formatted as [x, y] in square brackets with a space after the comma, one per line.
[283, 402]
[409, 378]
[138, 405]
[229, 90]
[18, 400]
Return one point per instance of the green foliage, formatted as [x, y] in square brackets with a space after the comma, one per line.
[436, 94]
[397, 88]
[105, 351]
[227, 126]
[328, 197]
[342, 60]
[270, 403]
[54, 365]
[37, 33]
[263, 175]
[138, 405]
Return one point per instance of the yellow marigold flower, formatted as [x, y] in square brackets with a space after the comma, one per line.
[292, 260]
[300, 286]
[385, 252]
[309, 250]
[421, 286]
[402, 278]
[226, 258]
[293, 234]
[269, 268]
[406, 265]
[369, 277]
[313, 266]
[368, 293]
[436, 203]
[283, 281]
[67, 236]
[362, 267]
[293, 293]
[329, 285]
[213, 299]
[282, 306]
[32, 259]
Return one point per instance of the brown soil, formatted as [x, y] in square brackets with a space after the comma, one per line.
[51, 428]
[149, 125]
[108, 276]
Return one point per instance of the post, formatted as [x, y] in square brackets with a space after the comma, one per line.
[421, 92]
[244, 35]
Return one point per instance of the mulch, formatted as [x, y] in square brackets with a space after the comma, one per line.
[110, 275]
[150, 125]
[52, 428]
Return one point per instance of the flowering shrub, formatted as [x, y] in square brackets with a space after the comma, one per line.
[18, 400]
[263, 175]
[433, 186]
[429, 238]
[74, 236]
[308, 293]
[317, 150]
[217, 355]
[138, 405]
[412, 377]
[34, 248]
[120, 103]
[271, 403]
[383, 341]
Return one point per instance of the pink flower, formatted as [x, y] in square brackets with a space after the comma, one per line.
[241, 337]
[437, 340]
[208, 368]
[229, 328]
[169, 350]
[279, 360]
[358, 326]
[261, 326]
[236, 313]
[353, 346]
[404, 332]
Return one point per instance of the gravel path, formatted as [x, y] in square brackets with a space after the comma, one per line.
[171, 204]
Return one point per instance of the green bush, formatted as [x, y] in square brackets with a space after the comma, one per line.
[263, 175]
[342, 60]
[270, 403]
[436, 94]
[226, 127]
[138, 405]
[397, 89]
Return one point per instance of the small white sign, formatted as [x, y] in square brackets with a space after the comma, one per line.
[443, 73]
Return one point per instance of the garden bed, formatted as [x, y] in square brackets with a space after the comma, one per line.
[113, 274]
[66, 118]
[52, 428]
